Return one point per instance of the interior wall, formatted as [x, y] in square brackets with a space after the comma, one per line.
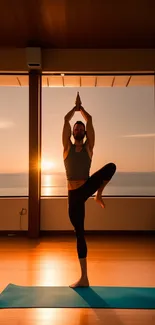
[126, 213]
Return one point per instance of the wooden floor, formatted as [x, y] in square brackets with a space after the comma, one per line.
[52, 261]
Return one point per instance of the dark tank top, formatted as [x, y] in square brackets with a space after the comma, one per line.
[77, 164]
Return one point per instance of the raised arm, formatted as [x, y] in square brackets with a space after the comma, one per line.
[89, 128]
[66, 133]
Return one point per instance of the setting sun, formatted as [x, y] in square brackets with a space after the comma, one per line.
[47, 165]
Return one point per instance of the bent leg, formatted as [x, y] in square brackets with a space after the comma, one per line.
[98, 180]
[98, 197]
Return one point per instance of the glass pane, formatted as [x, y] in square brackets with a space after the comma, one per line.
[14, 139]
[124, 123]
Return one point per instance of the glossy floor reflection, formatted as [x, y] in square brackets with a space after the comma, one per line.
[52, 261]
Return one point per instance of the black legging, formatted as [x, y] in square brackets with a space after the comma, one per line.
[77, 199]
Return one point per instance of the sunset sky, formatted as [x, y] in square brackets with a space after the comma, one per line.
[123, 119]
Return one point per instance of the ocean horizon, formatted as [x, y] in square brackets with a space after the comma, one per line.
[55, 184]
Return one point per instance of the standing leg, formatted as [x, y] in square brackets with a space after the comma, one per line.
[77, 214]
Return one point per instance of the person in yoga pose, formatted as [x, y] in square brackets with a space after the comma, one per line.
[77, 161]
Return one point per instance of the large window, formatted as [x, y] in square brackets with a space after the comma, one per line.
[124, 123]
[14, 138]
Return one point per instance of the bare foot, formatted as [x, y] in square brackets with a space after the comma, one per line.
[99, 200]
[83, 282]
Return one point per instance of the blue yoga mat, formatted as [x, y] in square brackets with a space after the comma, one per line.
[15, 296]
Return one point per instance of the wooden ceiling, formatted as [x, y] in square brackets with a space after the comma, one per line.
[80, 81]
[77, 23]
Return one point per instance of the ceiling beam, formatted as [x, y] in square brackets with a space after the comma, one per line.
[82, 61]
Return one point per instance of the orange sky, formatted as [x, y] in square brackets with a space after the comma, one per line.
[123, 118]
